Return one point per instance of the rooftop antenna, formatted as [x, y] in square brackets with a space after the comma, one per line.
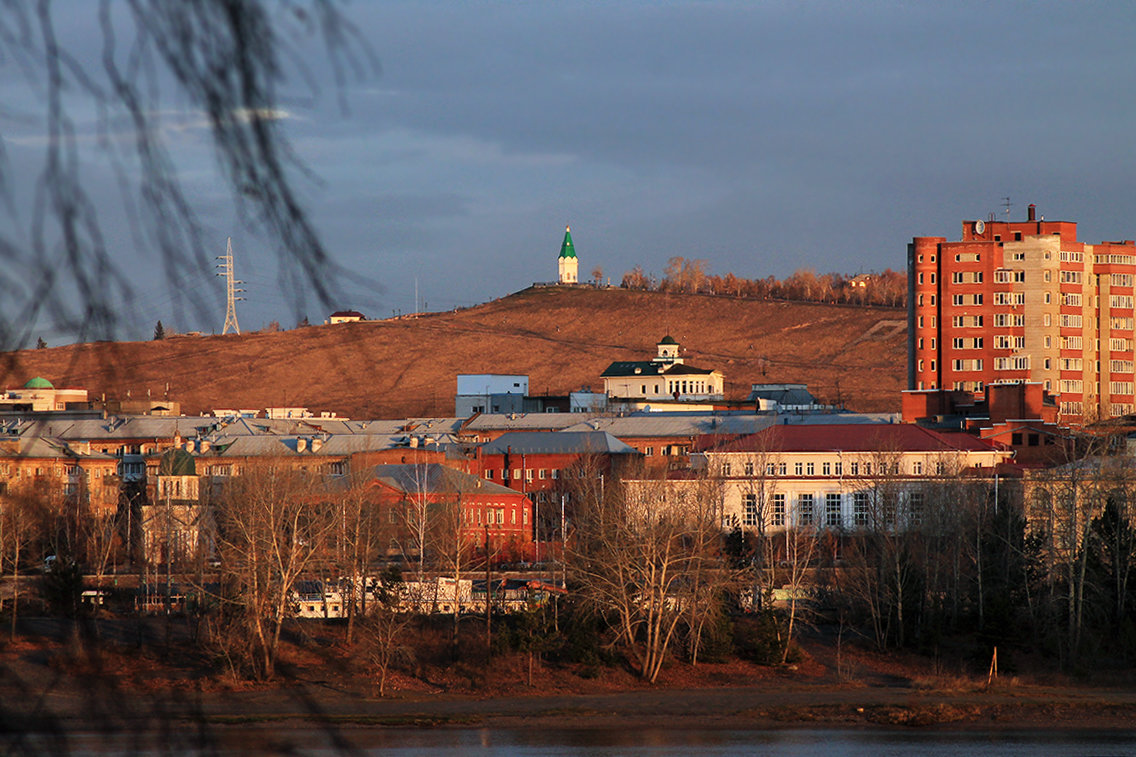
[1006, 202]
[231, 289]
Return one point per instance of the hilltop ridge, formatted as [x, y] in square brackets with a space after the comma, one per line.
[562, 337]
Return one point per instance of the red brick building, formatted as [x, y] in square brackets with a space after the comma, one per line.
[1024, 301]
[485, 509]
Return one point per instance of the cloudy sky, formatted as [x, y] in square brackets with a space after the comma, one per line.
[760, 136]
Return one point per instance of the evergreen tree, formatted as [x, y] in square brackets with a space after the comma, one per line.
[40, 344]
[159, 332]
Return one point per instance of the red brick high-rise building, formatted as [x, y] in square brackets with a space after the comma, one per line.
[1024, 301]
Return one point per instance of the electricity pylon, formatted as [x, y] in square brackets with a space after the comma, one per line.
[226, 266]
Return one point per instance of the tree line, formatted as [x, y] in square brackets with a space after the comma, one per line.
[691, 275]
[652, 571]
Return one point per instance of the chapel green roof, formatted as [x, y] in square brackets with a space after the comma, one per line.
[566, 248]
[39, 382]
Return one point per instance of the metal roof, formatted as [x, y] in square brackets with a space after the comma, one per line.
[434, 478]
[557, 443]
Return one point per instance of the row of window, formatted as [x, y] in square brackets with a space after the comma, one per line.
[829, 511]
[1007, 276]
[1117, 259]
[1008, 342]
[1009, 298]
[835, 468]
[526, 473]
[1012, 363]
[492, 516]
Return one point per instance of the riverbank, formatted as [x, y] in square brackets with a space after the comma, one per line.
[74, 684]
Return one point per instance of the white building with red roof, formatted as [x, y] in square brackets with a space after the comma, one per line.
[840, 476]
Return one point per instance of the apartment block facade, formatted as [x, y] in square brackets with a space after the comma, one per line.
[1024, 301]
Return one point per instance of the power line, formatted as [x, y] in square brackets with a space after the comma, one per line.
[226, 266]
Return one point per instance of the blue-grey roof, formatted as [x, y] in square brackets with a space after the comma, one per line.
[557, 443]
[434, 478]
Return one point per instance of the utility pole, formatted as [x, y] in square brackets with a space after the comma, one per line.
[231, 289]
[488, 599]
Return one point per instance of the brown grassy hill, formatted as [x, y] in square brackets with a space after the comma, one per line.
[562, 338]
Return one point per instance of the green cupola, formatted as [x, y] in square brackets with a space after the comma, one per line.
[567, 264]
[566, 248]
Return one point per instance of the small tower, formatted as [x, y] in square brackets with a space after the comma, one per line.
[568, 264]
[668, 351]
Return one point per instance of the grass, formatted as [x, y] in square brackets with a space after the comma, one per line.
[562, 339]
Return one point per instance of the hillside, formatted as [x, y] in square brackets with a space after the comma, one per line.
[562, 338]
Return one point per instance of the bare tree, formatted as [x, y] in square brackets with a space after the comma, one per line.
[269, 523]
[18, 518]
[224, 64]
[634, 552]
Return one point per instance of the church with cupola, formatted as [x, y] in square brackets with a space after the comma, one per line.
[567, 264]
[665, 378]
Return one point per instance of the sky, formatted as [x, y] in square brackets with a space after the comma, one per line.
[762, 137]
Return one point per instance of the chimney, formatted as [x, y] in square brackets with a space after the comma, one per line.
[1032, 212]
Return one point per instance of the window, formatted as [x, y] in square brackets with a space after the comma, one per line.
[826, 469]
[778, 514]
[810, 469]
[749, 510]
[860, 508]
[748, 469]
[854, 469]
[915, 508]
[725, 469]
[832, 516]
[1069, 277]
[782, 469]
[839, 469]
[956, 277]
[917, 467]
[1070, 299]
[1120, 301]
[771, 469]
[805, 512]
[956, 299]
[798, 469]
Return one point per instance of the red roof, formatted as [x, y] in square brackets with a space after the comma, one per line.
[857, 437]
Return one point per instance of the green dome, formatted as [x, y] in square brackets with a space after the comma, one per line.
[38, 383]
[668, 339]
